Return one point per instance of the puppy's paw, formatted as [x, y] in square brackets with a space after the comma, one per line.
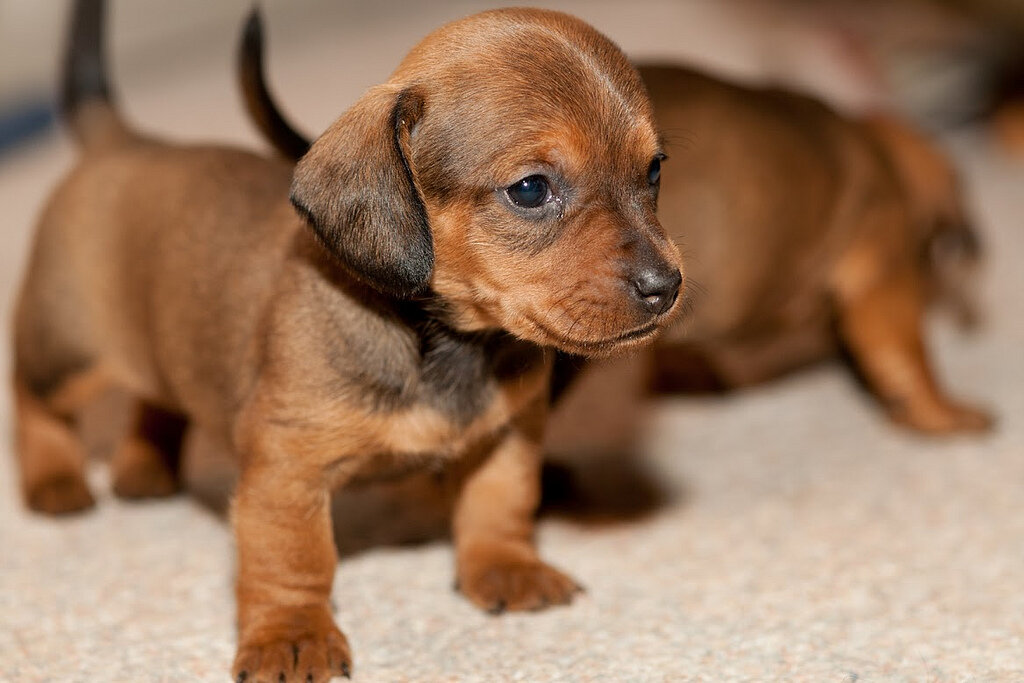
[140, 472]
[303, 648]
[504, 576]
[59, 495]
[946, 417]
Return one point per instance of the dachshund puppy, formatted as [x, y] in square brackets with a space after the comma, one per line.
[389, 303]
[809, 234]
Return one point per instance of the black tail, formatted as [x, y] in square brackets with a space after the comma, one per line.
[258, 100]
[84, 83]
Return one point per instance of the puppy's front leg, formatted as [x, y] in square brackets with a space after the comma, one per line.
[286, 564]
[497, 566]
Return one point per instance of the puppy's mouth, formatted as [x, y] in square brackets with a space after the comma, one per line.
[597, 347]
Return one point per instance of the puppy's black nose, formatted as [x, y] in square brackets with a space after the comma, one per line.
[657, 288]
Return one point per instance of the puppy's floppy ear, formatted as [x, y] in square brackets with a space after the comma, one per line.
[356, 189]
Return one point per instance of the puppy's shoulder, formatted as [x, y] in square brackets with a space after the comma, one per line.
[336, 336]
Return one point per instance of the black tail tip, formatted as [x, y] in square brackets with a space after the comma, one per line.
[85, 72]
[252, 36]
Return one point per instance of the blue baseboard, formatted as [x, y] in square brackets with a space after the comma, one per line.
[23, 122]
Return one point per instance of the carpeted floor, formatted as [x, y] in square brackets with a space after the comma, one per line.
[800, 537]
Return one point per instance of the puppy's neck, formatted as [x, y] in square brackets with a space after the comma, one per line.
[458, 370]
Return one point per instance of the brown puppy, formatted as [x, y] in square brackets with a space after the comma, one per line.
[809, 233]
[494, 198]
[800, 224]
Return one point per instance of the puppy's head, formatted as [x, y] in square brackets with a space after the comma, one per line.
[509, 166]
[948, 245]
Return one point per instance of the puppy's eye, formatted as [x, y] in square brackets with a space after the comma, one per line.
[654, 170]
[530, 192]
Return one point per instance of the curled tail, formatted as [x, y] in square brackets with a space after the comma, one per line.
[258, 101]
[86, 102]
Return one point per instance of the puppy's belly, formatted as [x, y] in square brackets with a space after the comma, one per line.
[390, 467]
[437, 452]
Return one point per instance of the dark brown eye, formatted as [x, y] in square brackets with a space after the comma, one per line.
[654, 170]
[530, 192]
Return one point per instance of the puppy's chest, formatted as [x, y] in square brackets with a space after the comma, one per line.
[458, 377]
[465, 388]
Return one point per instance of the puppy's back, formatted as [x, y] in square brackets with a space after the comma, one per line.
[127, 254]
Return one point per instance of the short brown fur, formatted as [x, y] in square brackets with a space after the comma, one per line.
[404, 316]
[800, 223]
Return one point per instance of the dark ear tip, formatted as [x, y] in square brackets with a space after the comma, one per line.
[406, 280]
[400, 280]
[416, 276]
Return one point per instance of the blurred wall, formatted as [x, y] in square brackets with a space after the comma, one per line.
[856, 54]
[150, 32]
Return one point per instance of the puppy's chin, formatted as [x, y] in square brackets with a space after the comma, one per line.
[571, 341]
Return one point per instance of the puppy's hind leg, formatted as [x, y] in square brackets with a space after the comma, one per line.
[146, 463]
[882, 328]
[50, 453]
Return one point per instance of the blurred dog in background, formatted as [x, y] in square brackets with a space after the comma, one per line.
[809, 233]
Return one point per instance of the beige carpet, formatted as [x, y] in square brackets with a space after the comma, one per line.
[802, 537]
